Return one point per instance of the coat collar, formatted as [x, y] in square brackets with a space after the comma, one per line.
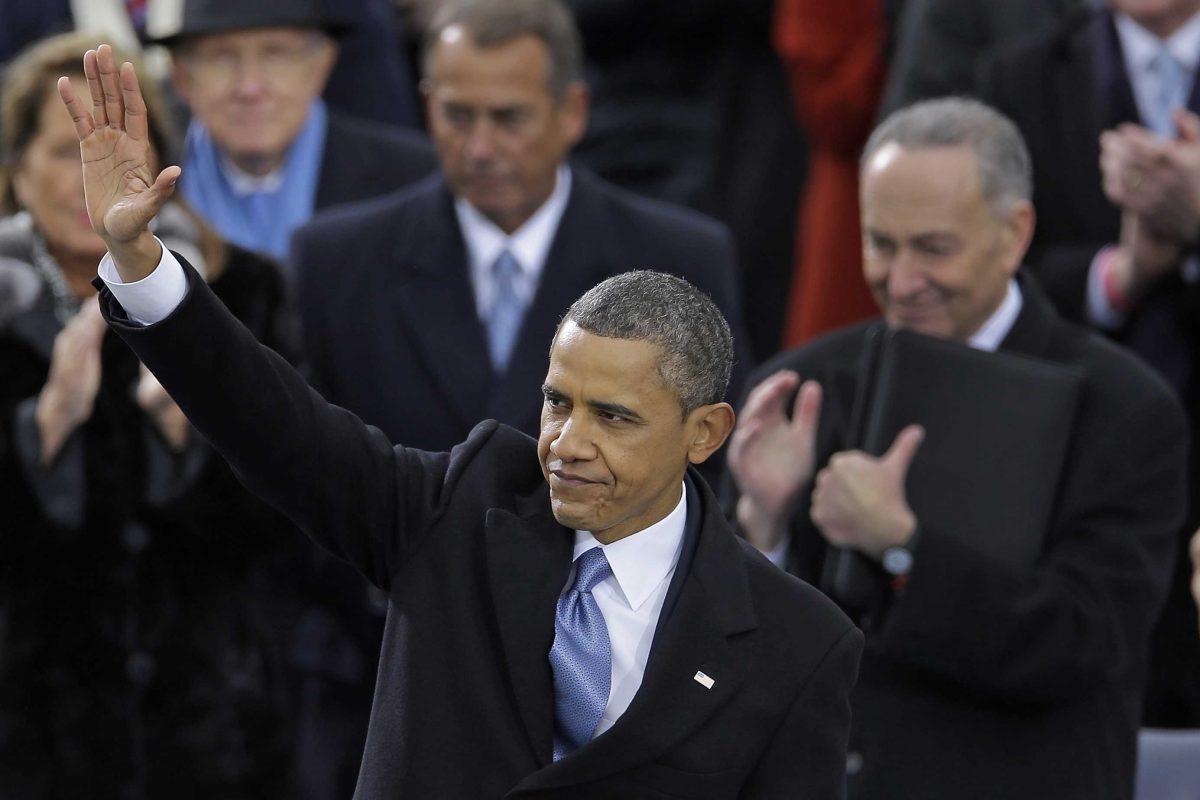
[436, 302]
[708, 602]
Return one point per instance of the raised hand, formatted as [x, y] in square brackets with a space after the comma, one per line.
[860, 501]
[67, 399]
[771, 457]
[122, 192]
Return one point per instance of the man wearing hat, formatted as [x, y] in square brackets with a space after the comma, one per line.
[262, 151]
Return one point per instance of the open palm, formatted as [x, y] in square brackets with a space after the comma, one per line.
[121, 192]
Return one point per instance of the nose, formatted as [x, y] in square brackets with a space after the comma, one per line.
[574, 442]
[249, 77]
[481, 142]
[905, 278]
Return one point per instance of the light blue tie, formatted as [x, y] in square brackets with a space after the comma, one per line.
[581, 657]
[507, 311]
[1172, 92]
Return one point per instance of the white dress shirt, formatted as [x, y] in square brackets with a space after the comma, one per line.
[1139, 48]
[988, 337]
[528, 244]
[631, 599]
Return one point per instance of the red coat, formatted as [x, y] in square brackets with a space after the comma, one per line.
[834, 56]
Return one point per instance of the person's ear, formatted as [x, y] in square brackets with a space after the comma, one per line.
[708, 427]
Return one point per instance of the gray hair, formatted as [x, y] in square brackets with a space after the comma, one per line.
[496, 22]
[1005, 172]
[697, 347]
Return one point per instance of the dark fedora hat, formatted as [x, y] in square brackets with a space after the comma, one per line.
[202, 17]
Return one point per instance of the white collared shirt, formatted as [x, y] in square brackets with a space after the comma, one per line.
[631, 599]
[992, 333]
[1139, 48]
[243, 183]
[528, 244]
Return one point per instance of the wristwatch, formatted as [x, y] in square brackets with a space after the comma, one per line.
[897, 561]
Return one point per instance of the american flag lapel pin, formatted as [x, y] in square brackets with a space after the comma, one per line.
[703, 680]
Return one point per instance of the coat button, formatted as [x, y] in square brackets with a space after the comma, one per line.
[854, 763]
[135, 537]
[140, 667]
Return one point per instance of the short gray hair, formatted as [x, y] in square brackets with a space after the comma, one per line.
[496, 22]
[696, 345]
[1005, 171]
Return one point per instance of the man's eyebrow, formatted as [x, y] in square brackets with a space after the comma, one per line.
[550, 391]
[615, 408]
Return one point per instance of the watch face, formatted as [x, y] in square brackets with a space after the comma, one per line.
[897, 561]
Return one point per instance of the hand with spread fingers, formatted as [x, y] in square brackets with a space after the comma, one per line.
[121, 190]
[773, 457]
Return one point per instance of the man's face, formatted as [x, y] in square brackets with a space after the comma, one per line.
[613, 443]
[935, 255]
[253, 88]
[499, 131]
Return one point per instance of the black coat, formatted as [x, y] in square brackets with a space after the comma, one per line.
[1063, 89]
[142, 646]
[472, 561]
[985, 681]
[390, 325]
[365, 159]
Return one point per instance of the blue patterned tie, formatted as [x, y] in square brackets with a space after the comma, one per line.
[507, 311]
[1172, 92]
[581, 657]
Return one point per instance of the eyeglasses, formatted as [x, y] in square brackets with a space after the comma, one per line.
[274, 63]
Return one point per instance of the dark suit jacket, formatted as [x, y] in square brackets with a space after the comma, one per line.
[1062, 89]
[365, 159]
[985, 681]
[388, 310]
[472, 560]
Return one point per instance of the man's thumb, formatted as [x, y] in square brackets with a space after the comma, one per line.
[1188, 125]
[899, 456]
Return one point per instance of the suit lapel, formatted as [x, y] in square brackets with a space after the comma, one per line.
[528, 558]
[713, 604]
[436, 304]
[1033, 331]
[574, 264]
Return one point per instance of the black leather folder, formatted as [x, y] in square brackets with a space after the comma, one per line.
[997, 426]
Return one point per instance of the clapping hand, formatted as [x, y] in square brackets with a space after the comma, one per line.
[66, 400]
[121, 191]
[772, 457]
[860, 501]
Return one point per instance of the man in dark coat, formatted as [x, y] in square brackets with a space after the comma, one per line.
[1107, 257]
[981, 679]
[567, 618]
[263, 151]
[407, 320]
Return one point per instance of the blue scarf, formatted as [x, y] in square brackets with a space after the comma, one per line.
[261, 221]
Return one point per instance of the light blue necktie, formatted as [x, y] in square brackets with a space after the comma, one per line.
[1171, 93]
[581, 657]
[507, 311]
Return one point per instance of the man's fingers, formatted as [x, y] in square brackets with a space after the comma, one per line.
[899, 456]
[164, 184]
[91, 71]
[79, 113]
[1188, 125]
[768, 396]
[113, 105]
[806, 412]
[135, 106]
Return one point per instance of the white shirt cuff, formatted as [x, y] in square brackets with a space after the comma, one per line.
[154, 297]
[1099, 311]
[778, 555]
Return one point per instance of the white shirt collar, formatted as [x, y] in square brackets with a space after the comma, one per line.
[243, 183]
[1139, 46]
[992, 333]
[642, 561]
[528, 244]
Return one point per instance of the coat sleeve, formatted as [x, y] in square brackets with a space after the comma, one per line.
[338, 479]
[807, 755]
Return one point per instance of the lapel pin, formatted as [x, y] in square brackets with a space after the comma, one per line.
[703, 680]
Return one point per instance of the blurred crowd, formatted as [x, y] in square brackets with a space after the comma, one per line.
[403, 196]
